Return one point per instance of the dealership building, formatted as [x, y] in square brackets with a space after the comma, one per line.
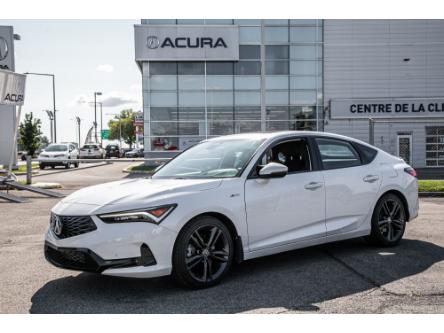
[380, 81]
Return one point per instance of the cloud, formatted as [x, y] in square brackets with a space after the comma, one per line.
[118, 99]
[110, 99]
[105, 68]
[136, 87]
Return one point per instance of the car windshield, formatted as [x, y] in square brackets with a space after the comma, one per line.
[90, 147]
[56, 148]
[211, 159]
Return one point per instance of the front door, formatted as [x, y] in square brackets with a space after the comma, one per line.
[285, 210]
[404, 147]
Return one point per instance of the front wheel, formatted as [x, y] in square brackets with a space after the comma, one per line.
[388, 221]
[203, 253]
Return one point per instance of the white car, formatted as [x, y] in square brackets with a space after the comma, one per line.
[92, 150]
[234, 198]
[57, 154]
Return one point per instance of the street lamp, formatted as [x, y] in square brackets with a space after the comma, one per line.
[51, 120]
[53, 99]
[78, 120]
[96, 93]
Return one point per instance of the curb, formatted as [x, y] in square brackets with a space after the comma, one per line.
[431, 194]
[136, 172]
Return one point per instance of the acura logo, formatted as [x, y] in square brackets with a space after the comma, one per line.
[57, 225]
[3, 48]
[152, 42]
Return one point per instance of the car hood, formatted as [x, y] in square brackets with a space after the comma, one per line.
[52, 153]
[132, 193]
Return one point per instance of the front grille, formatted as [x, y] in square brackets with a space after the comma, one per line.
[72, 259]
[70, 226]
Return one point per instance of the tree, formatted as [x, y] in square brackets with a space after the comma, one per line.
[127, 118]
[30, 134]
[44, 141]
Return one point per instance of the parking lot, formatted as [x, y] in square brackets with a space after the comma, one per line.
[344, 277]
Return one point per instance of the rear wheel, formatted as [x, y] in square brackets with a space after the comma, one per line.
[42, 166]
[388, 221]
[203, 253]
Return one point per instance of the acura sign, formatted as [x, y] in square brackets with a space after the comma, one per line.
[387, 108]
[12, 88]
[184, 42]
[4, 48]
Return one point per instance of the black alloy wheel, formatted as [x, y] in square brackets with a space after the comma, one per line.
[203, 253]
[388, 221]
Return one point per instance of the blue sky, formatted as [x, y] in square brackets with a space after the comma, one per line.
[85, 56]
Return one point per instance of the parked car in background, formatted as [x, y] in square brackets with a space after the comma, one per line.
[136, 152]
[112, 151]
[92, 150]
[234, 198]
[123, 151]
[56, 154]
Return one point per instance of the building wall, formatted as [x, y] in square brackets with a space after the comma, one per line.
[384, 59]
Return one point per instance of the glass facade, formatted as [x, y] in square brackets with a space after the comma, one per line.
[275, 85]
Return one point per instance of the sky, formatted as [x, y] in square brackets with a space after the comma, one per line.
[85, 56]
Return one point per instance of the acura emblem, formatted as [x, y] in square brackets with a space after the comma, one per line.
[152, 42]
[3, 48]
[57, 226]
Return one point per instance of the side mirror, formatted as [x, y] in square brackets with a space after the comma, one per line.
[273, 170]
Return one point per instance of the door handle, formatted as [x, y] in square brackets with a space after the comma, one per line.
[313, 186]
[370, 178]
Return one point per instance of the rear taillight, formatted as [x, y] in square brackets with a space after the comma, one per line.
[410, 171]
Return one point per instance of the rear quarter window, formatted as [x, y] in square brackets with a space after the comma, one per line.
[336, 154]
[367, 153]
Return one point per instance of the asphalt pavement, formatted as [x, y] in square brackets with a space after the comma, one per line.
[343, 277]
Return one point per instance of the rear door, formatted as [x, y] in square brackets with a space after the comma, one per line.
[285, 210]
[351, 185]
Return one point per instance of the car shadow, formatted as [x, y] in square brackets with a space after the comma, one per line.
[292, 280]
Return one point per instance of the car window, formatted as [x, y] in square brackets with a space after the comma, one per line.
[337, 154]
[57, 148]
[294, 154]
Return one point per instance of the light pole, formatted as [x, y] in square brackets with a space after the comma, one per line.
[96, 93]
[51, 121]
[78, 120]
[53, 99]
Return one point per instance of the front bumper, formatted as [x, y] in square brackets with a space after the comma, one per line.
[115, 249]
[52, 161]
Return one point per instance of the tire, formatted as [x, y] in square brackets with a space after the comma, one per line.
[76, 165]
[52, 166]
[67, 166]
[388, 221]
[196, 263]
[42, 166]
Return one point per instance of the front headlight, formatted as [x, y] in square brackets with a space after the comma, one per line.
[151, 215]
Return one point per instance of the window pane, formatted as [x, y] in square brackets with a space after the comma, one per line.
[249, 34]
[192, 128]
[305, 82]
[249, 52]
[163, 68]
[247, 98]
[337, 154]
[219, 98]
[276, 82]
[247, 68]
[247, 113]
[302, 112]
[219, 83]
[191, 68]
[161, 21]
[219, 68]
[248, 22]
[220, 113]
[190, 21]
[247, 82]
[163, 99]
[276, 22]
[220, 127]
[305, 52]
[158, 82]
[303, 97]
[276, 97]
[164, 143]
[305, 67]
[303, 34]
[191, 82]
[305, 22]
[191, 98]
[276, 67]
[164, 128]
[247, 126]
[276, 52]
[196, 113]
[277, 113]
[276, 34]
[219, 21]
[159, 113]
